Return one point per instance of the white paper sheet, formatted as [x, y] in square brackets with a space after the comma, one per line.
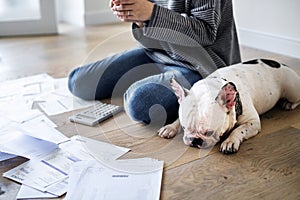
[63, 104]
[26, 87]
[6, 156]
[61, 100]
[27, 192]
[53, 191]
[43, 130]
[4, 122]
[17, 143]
[101, 151]
[35, 174]
[91, 180]
[60, 160]
[17, 111]
[59, 188]
[40, 119]
[52, 95]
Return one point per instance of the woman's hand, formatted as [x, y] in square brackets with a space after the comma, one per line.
[132, 10]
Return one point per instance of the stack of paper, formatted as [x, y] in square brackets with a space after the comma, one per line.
[122, 180]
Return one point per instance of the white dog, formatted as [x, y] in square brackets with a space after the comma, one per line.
[229, 102]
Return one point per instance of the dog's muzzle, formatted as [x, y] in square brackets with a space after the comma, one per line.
[201, 140]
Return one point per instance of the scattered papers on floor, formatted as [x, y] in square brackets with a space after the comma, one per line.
[51, 95]
[57, 162]
[42, 173]
[20, 98]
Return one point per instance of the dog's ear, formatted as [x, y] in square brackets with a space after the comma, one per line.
[227, 96]
[179, 90]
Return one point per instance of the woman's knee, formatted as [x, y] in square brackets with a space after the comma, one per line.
[151, 103]
[72, 80]
[79, 86]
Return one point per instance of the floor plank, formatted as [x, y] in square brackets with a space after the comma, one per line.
[277, 119]
[263, 169]
[57, 55]
[297, 125]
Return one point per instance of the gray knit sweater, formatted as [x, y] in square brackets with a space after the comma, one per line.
[198, 34]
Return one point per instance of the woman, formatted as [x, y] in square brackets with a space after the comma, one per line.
[185, 39]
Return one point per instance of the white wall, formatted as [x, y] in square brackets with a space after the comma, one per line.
[98, 12]
[270, 25]
[85, 12]
[96, 5]
[71, 11]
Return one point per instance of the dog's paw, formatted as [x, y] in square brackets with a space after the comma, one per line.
[168, 131]
[230, 145]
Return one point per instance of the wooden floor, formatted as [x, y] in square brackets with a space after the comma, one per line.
[266, 167]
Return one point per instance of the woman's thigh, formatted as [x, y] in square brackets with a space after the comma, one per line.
[112, 75]
[151, 100]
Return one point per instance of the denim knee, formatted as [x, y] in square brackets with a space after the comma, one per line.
[79, 85]
[151, 103]
[71, 80]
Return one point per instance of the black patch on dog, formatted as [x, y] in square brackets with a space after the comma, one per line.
[197, 142]
[233, 85]
[238, 106]
[271, 63]
[251, 62]
[224, 79]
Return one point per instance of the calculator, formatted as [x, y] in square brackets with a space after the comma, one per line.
[95, 114]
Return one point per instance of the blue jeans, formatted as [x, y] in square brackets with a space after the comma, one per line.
[144, 85]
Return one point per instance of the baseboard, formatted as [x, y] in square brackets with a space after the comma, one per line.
[100, 17]
[268, 42]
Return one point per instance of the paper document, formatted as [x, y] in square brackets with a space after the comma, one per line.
[27, 87]
[36, 174]
[17, 111]
[6, 156]
[52, 95]
[93, 180]
[40, 119]
[101, 151]
[53, 191]
[61, 100]
[27, 192]
[17, 143]
[43, 131]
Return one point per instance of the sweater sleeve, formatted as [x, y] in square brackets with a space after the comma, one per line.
[197, 34]
[196, 24]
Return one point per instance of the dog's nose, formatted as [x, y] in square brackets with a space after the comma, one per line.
[197, 142]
